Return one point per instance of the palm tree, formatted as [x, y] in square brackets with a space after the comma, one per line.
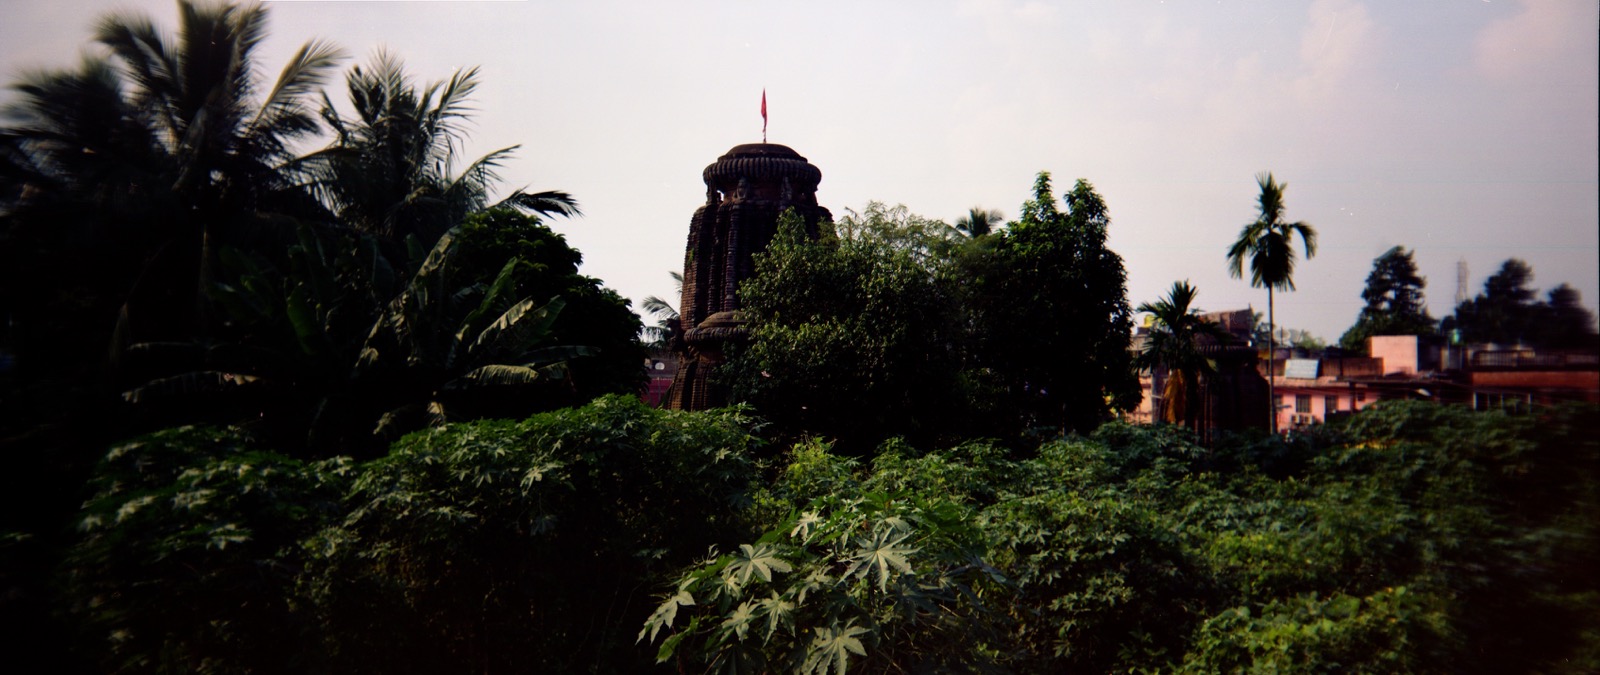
[158, 115]
[390, 171]
[1268, 242]
[667, 328]
[159, 152]
[979, 221]
[1174, 344]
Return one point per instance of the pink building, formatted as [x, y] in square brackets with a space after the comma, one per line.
[1412, 367]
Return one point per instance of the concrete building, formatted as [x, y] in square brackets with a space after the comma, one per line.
[1310, 391]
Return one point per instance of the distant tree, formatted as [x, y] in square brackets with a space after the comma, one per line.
[1564, 323]
[1174, 344]
[896, 227]
[979, 221]
[1503, 313]
[1395, 304]
[1050, 314]
[1268, 244]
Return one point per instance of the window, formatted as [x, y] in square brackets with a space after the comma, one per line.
[1330, 404]
[1501, 401]
[1302, 403]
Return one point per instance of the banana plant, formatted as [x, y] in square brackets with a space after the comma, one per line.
[288, 338]
[440, 342]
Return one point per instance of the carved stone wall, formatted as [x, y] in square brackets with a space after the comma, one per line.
[746, 190]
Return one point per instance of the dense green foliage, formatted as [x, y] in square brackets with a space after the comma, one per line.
[1415, 538]
[187, 239]
[494, 546]
[1395, 305]
[1051, 314]
[853, 334]
[191, 549]
[336, 353]
[889, 324]
[1418, 539]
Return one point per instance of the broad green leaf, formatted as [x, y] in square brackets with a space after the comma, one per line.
[303, 316]
[493, 301]
[831, 649]
[778, 611]
[739, 620]
[802, 527]
[523, 326]
[751, 560]
[883, 554]
[664, 614]
[497, 374]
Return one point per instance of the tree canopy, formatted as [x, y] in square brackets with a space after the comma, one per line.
[853, 334]
[1509, 312]
[1394, 302]
[1051, 315]
[891, 324]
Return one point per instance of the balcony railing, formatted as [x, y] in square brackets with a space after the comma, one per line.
[1528, 360]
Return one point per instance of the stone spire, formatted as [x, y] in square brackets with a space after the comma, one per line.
[746, 190]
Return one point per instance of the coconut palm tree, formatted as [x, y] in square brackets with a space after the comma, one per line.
[979, 221]
[180, 115]
[1174, 343]
[391, 169]
[1268, 243]
[667, 328]
[159, 152]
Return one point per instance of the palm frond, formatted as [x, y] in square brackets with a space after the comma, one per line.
[467, 192]
[506, 375]
[305, 74]
[146, 57]
[549, 202]
[522, 324]
[447, 112]
[657, 307]
[189, 384]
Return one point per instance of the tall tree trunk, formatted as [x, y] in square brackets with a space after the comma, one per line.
[1272, 355]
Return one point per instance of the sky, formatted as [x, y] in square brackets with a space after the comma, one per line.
[1463, 129]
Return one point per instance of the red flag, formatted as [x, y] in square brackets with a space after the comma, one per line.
[763, 115]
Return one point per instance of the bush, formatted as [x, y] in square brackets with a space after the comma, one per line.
[189, 556]
[525, 546]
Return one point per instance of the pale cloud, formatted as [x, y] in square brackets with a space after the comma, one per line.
[1339, 40]
[1544, 33]
[1034, 11]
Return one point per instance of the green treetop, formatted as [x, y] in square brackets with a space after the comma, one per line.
[1395, 304]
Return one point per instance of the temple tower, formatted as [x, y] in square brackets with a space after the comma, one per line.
[746, 190]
